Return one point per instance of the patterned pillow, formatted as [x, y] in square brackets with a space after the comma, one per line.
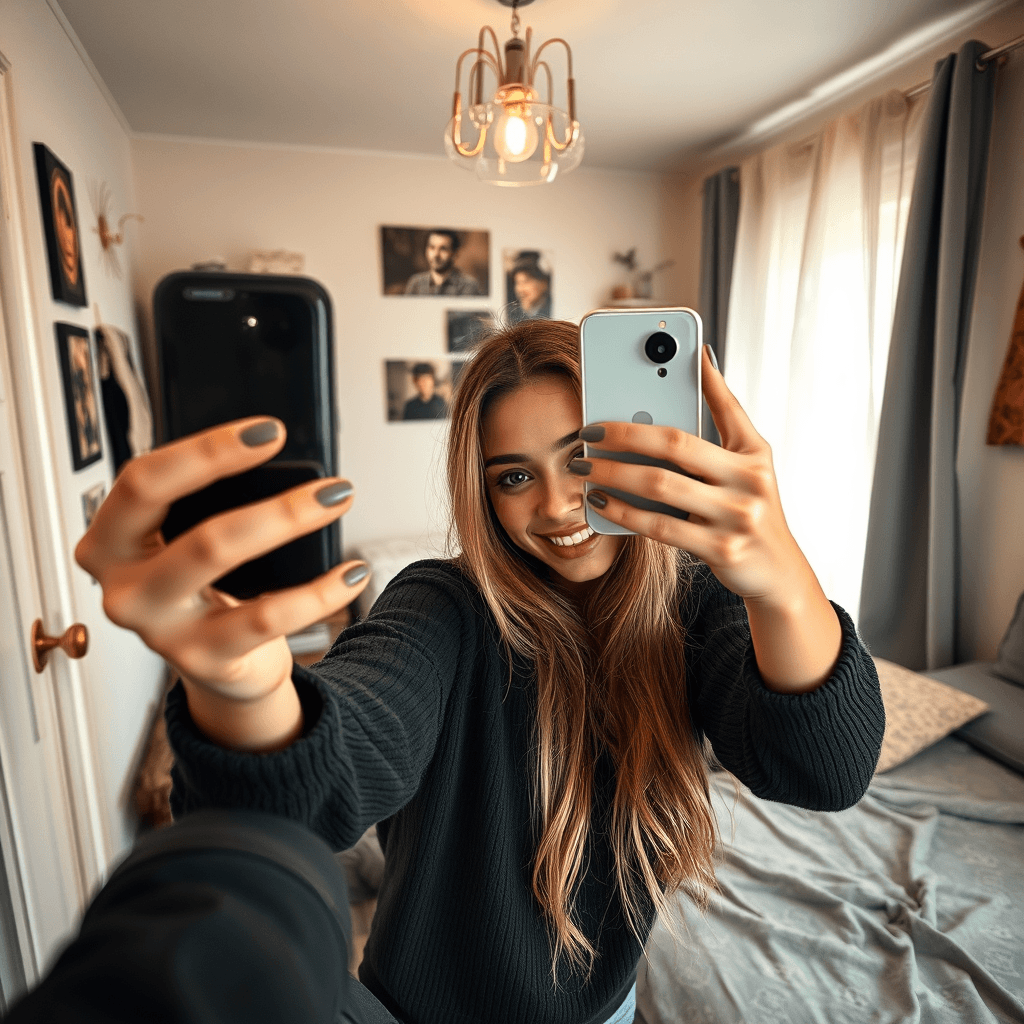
[918, 712]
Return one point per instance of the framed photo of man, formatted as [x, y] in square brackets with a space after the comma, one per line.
[435, 261]
[78, 370]
[466, 327]
[60, 224]
[417, 389]
[528, 274]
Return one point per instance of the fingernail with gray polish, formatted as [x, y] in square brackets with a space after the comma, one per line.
[580, 467]
[259, 433]
[597, 499]
[356, 574]
[592, 433]
[334, 494]
[711, 356]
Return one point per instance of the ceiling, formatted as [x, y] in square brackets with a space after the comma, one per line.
[658, 82]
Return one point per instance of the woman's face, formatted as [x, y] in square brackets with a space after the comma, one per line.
[529, 291]
[529, 439]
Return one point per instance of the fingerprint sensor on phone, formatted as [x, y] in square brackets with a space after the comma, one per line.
[642, 417]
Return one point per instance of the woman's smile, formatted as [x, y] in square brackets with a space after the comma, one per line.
[574, 544]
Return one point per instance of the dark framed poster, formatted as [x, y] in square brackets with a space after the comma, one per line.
[60, 224]
[435, 261]
[78, 370]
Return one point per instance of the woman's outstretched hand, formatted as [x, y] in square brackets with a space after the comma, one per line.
[736, 523]
[232, 655]
[736, 526]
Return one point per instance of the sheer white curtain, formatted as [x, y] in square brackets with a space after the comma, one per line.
[818, 251]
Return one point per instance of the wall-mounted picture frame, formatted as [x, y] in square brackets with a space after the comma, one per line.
[466, 327]
[60, 225]
[78, 370]
[418, 389]
[435, 261]
[91, 501]
[528, 274]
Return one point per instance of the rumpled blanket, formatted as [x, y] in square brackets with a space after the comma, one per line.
[908, 907]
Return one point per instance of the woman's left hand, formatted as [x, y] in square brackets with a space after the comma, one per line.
[736, 523]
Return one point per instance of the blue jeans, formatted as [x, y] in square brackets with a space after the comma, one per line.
[625, 1013]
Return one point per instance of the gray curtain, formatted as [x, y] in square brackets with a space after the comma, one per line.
[911, 582]
[718, 247]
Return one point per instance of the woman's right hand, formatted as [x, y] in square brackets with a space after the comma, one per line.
[232, 655]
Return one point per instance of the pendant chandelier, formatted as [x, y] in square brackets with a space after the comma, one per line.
[514, 138]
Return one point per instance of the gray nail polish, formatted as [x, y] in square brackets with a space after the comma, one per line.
[711, 356]
[597, 499]
[592, 433]
[334, 494]
[356, 574]
[580, 467]
[259, 433]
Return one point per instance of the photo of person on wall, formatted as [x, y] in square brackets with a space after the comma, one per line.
[417, 389]
[527, 284]
[435, 261]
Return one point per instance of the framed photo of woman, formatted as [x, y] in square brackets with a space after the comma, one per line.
[78, 370]
[60, 222]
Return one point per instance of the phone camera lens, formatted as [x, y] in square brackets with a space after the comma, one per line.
[660, 347]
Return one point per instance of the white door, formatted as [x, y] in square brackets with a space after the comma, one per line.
[41, 890]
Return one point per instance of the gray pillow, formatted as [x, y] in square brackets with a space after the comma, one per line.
[999, 732]
[1010, 659]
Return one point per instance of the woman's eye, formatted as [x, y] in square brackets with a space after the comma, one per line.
[577, 454]
[513, 478]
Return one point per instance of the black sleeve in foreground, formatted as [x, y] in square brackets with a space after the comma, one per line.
[376, 703]
[225, 917]
[815, 750]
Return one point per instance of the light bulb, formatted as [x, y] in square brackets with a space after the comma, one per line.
[515, 135]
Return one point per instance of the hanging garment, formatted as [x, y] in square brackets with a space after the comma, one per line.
[1006, 421]
[125, 402]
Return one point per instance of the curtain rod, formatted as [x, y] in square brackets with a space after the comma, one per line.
[986, 58]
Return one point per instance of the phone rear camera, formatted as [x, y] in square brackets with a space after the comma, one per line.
[660, 347]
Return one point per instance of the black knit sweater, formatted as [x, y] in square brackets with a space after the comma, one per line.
[411, 722]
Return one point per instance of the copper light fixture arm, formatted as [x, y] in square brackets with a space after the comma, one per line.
[568, 52]
[460, 148]
[499, 70]
[483, 58]
[560, 144]
[528, 69]
[551, 87]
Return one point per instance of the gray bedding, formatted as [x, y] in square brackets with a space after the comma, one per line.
[907, 907]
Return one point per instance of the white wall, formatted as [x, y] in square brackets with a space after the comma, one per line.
[992, 477]
[57, 102]
[203, 199]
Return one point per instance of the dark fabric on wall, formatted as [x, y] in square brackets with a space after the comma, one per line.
[911, 579]
[115, 413]
[718, 247]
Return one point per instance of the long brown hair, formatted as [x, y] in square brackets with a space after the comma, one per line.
[610, 675]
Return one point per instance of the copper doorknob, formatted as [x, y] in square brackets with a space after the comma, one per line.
[74, 643]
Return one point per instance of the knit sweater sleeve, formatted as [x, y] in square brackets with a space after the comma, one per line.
[815, 750]
[373, 709]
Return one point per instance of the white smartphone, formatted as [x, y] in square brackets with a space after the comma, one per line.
[640, 366]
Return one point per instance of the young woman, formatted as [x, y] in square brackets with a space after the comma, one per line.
[525, 721]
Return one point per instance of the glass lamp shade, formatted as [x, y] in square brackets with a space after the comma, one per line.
[515, 149]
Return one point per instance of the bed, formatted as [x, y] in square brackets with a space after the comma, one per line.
[907, 907]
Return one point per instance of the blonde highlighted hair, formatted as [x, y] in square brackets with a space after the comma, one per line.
[610, 675]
